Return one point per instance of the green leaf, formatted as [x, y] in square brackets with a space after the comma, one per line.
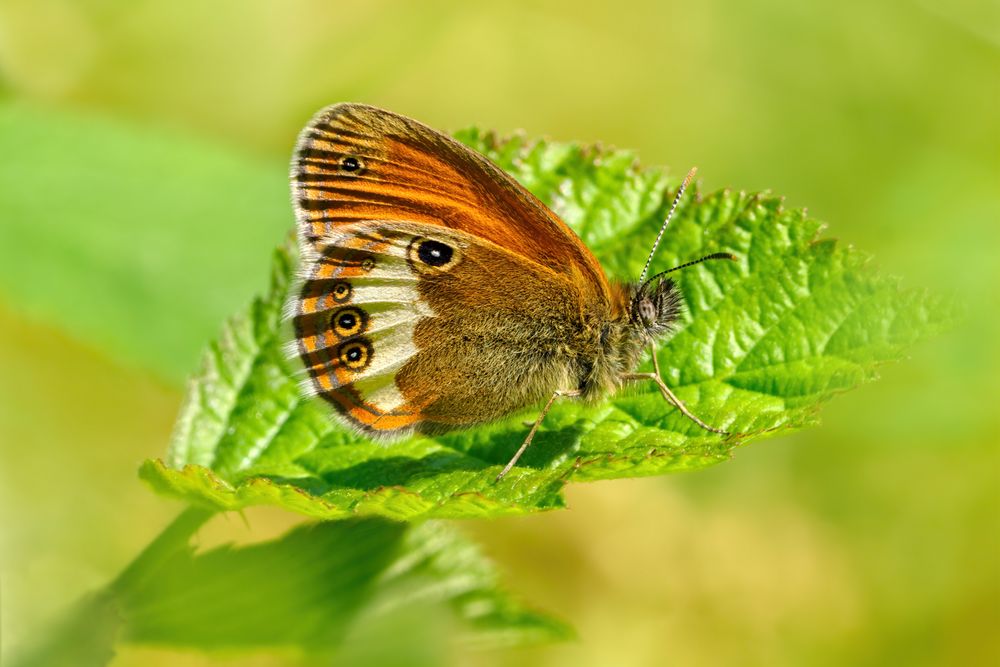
[135, 241]
[306, 589]
[84, 637]
[765, 341]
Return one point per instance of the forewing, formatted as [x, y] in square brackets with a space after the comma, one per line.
[357, 163]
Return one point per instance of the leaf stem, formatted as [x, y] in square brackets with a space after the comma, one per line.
[174, 537]
[87, 632]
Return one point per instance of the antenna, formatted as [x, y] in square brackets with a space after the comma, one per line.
[715, 255]
[677, 198]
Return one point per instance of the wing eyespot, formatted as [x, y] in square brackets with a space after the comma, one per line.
[341, 291]
[348, 322]
[355, 355]
[430, 255]
[350, 164]
[434, 253]
[368, 263]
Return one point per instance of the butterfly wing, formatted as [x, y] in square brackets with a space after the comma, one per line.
[355, 163]
[395, 342]
[406, 325]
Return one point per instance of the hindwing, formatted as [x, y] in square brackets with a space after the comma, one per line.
[412, 246]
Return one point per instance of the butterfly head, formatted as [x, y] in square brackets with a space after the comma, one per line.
[655, 306]
[656, 303]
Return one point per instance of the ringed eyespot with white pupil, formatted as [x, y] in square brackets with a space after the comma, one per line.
[434, 253]
[351, 164]
[431, 254]
[355, 354]
[348, 322]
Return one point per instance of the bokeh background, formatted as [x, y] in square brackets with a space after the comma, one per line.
[871, 540]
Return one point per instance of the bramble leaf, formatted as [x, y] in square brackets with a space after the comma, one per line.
[317, 580]
[305, 591]
[763, 343]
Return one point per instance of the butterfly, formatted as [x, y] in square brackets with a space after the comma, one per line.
[438, 293]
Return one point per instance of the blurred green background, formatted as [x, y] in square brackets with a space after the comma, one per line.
[871, 540]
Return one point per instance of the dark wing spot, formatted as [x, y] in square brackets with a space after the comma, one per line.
[341, 291]
[355, 355]
[351, 164]
[434, 253]
[347, 320]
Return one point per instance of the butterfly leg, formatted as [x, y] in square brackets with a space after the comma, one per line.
[656, 361]
[673, 400]
[669, 395]
[531, 433]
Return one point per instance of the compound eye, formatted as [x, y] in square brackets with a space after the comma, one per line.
[647, 311]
